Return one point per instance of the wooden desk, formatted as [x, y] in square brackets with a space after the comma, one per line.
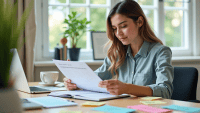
[123, 102]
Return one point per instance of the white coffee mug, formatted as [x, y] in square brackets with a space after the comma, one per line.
[49, 77]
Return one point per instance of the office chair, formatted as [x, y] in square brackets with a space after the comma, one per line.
[185, 84]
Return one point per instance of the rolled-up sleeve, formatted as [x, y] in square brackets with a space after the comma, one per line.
[164, 73]
[103, 72]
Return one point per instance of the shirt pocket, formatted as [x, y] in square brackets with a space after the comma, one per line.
[143, 78]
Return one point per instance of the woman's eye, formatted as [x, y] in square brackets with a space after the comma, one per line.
[124, 26]
[114, 29]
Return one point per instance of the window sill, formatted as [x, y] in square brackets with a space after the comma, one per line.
[100, 62]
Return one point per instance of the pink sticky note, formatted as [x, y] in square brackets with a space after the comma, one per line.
[150, 109]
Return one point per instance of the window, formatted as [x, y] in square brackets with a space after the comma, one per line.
[170, 19]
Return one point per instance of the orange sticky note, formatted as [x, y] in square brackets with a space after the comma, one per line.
[93, 104]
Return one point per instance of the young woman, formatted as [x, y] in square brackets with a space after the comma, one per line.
[137, 60]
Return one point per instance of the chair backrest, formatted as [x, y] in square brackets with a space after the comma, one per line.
[185, 83]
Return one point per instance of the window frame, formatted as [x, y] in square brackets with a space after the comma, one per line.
[42, 53]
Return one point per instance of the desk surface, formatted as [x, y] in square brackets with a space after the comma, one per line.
[123, 102]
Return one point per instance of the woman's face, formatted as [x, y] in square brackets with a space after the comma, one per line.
[125, 29]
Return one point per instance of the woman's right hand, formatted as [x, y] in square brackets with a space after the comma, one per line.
[69, 85]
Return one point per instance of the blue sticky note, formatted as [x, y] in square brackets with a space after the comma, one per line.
[182, 108]
[113, 109]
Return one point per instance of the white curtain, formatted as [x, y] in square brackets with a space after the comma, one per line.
[26, 51]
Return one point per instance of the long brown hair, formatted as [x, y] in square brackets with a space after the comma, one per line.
[117, 51]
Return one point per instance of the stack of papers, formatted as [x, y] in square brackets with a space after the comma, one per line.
[183, 108]
[149, 109]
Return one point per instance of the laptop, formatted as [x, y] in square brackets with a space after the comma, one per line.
[21, 83]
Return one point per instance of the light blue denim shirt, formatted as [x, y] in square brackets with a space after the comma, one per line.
[150, 67]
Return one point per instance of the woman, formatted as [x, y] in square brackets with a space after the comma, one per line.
[137, 63]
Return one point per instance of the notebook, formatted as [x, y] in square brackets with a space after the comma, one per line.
[21, 83]
[86, 95]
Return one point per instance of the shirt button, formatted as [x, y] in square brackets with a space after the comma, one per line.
[132, 72]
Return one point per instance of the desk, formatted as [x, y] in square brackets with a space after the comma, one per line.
[123, 102]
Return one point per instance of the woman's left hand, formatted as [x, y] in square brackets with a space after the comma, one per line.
[115, 87]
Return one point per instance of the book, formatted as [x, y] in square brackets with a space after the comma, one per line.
[86, 95]
[85, 78]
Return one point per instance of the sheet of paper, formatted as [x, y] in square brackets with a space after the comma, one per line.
[152, 102]
[113, 109]
[52, 101]
[80, 74]
[182, 108]
[93, 104]
[151, 98]
[148, 109]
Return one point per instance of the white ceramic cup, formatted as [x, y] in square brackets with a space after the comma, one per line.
[49, 77]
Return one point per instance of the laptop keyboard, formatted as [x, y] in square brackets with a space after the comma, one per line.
[38, 89]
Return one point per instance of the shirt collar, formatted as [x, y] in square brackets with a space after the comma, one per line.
[143, 50]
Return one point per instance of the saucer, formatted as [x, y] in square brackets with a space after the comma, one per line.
[56, 83]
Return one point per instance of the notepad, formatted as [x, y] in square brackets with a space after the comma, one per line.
[148, 109]
[152, 102]
[182, 108]
[93, 104]
[113, 109]
[49, 102]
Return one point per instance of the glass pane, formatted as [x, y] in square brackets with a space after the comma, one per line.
[98, 19]
[173, 4]
[56, 18]
[174, 28]
[97, 1]
[150, 17]
[82, 11]
[57, 1]
[145, 2]
[78, 1]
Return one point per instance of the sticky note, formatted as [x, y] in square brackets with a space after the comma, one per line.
[63, 111]
[148, 109]
[182, 108]
[152, 102]
[113, 109]
[151, 98]
[93, 104]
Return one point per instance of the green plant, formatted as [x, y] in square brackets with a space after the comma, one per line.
[10, 31]
[75, 28]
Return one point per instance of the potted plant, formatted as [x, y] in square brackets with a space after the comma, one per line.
[75, 30]
[10, 31]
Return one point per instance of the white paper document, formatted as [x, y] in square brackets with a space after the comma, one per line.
[80, 74]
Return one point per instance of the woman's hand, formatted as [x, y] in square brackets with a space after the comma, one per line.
[69, 85]
[115, 87]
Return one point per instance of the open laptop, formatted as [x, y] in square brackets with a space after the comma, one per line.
[16, 71]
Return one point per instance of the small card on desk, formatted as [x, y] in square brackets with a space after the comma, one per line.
[93, 104]
[113, 109]
[52, 101]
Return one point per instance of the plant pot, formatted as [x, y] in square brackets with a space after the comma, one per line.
[10, 101]
[74, 54]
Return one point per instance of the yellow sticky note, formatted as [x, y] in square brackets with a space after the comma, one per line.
[63, 111]
[152, 102]
[93, 104]
[150, 98]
